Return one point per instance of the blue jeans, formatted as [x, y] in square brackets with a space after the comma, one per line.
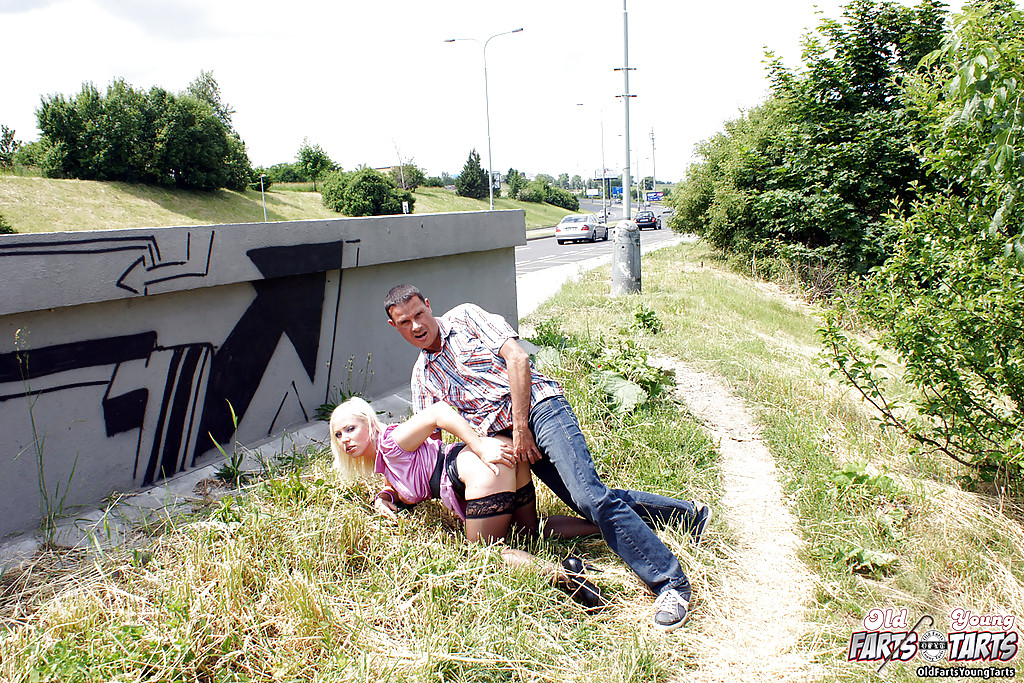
[625, 517]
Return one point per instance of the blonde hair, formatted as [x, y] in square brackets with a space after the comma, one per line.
[355, 468]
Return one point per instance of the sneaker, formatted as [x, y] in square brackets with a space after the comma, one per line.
[670, 610]
[578, 586]
[701, 517]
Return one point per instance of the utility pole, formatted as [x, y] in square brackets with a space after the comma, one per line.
[626, 250]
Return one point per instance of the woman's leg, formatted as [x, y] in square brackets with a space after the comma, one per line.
[493, 502]
[564, 526]
[489, 498]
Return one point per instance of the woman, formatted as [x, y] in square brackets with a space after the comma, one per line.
[478, 479]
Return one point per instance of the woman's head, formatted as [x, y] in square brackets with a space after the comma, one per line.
[354, 429]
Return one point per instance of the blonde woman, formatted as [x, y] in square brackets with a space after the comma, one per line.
[478, 479]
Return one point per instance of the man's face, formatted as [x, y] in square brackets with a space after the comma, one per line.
[416, 323]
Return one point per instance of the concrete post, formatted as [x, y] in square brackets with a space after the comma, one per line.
[626, 259]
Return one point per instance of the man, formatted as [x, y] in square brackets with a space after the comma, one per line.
[470, 359]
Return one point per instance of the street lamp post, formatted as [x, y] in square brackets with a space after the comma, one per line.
[604, 182]
[487, 110]
[626, 251]
[264, 195]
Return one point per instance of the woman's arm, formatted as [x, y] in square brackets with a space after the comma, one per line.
[411, 434]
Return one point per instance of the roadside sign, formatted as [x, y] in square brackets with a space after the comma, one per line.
[655, 196]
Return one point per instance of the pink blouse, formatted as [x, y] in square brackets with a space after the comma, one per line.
[409, 473]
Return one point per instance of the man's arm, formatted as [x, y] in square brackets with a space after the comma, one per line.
[517, 361]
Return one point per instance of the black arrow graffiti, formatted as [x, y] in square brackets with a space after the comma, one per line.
[286, 304]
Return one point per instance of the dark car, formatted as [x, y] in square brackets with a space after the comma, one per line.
[647, 219]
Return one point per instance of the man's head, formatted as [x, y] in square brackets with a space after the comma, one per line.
[409, 313]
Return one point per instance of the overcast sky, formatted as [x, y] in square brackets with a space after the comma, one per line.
[369, 81]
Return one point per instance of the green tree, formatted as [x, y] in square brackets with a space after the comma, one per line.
[30, 154]
[545, 179]
[286, 173]
[192, 145]
[472, 182]
[576, 183]
[142, 137]
[446, 178]
[408, 176]
[515, 181]
[563, 181]
[819, 165]
[8, 147]
[948, 301]
[206, 89]
[313, 161]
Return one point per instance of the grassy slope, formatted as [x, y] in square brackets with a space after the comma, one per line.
[948, 547]
[299, 581]
[46, 205]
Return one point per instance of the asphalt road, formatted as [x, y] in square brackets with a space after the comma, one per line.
[544, 253]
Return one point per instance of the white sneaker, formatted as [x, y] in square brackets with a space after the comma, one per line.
[670, 610]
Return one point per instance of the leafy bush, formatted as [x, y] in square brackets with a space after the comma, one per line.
[619, 371]
[256, 184]
[332, 190]
[5, 227]
[563, 198]
[287, 173]
[535, 191]
[646, 320]
[30, 154]
[830, 153]
[948, 302]
[433, 181]
[365, 192]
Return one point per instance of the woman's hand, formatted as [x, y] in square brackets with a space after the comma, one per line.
[493, 452]
[384, 505]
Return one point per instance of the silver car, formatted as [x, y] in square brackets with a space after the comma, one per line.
[580, 226]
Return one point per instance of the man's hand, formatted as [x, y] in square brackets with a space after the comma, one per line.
[523, 444]
[493, 452]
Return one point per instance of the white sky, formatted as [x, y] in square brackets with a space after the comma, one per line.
[362, 78]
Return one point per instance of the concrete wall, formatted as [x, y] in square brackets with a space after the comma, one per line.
[125, 347]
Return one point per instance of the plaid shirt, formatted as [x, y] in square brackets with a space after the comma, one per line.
[469, 374]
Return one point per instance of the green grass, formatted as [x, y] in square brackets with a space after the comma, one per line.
[300, 580]
[33, 204]
[440, 200]
[951, 548]
[48, 205]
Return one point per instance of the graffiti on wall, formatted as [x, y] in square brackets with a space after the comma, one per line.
[164, 405]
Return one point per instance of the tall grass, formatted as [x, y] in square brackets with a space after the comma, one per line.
[929, 546]
[297, 579]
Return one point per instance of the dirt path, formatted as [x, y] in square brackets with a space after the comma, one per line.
[751, 627]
